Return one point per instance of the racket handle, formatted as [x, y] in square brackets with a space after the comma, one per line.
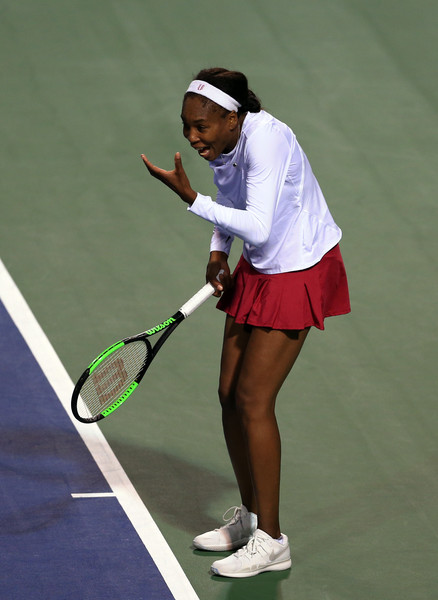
[196, 300]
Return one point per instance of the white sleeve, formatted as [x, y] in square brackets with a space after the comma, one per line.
[268, 157]
[221, 240]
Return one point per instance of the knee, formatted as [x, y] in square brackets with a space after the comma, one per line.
[226, 398]
[233, 402]
[249, 404]
[245, 405]
[253, 406]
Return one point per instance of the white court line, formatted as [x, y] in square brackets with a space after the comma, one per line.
[95, 495]
[95, 441]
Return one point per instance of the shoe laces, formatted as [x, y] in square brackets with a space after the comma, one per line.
[235, 517]
[256, 545]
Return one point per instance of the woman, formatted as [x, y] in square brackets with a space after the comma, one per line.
[289, 278]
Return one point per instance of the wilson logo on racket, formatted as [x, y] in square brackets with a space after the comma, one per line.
[161, 326]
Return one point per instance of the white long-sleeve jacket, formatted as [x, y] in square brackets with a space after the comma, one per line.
[269, 197]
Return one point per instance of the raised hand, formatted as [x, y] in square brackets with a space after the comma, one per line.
[176, 180]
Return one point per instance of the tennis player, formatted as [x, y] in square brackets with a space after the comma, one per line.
[289, 278]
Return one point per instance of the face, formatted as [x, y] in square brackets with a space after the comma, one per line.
[210, 130]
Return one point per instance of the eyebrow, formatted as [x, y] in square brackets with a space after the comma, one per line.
[200, 120]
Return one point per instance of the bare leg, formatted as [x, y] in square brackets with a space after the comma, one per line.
[254, 367]
[235, 340]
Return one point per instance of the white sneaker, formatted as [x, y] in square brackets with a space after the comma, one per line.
[262, 553]
[235, 534]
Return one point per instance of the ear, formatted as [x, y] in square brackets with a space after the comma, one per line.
[233, 120]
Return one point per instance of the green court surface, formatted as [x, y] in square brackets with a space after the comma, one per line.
[100, 251]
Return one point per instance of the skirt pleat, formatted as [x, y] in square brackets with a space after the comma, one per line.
[293, 300]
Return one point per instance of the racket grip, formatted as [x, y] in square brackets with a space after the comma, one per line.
[196, 300]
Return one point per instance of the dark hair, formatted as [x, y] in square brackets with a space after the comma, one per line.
[233, 83]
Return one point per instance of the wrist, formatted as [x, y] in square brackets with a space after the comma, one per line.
[189, 197]
[218, 256]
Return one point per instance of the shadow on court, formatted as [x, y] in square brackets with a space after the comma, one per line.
[176, 490]
[180, 494]
[373, 525]
[265, 586]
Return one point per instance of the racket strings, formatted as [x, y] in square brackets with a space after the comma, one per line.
[112, 378]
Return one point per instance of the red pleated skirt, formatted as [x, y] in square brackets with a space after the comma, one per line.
[292, 300]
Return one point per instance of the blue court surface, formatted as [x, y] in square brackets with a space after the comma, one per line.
[63, 533]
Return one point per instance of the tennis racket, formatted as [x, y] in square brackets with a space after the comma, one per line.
[112, 377]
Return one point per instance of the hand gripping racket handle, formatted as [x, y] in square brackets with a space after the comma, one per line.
[196, 300]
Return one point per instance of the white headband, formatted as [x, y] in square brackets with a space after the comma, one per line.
[213, 93]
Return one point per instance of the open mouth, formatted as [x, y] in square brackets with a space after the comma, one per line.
[203, 151]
